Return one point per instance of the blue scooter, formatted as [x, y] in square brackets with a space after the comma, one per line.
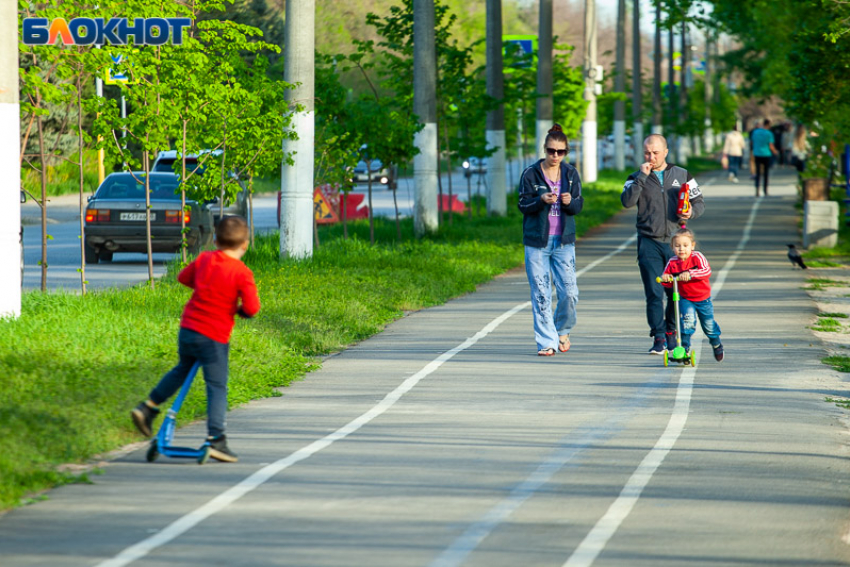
[161, 444]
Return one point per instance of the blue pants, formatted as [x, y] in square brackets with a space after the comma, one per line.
[652, 259]
[734, 165]
[559, 261]
[688, 313]
[192, 347]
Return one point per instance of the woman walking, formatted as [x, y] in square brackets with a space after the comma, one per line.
[549, 198]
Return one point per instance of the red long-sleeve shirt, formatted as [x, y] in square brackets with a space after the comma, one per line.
[219, 283]
[698, 288]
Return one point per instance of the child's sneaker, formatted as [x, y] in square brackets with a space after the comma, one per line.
[658, 346]
[219, 450]
[143, 416]
[671, 339]
[718, 352]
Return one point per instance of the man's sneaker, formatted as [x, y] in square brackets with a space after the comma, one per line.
[671, 340]
[143, 416]
[219, 450]
[658, 346]
[718, 352]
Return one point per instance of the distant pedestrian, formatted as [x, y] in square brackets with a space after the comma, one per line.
[800, 148]
[763, 148]
[733, 149]
[655, 188]
[222, 287]
[693, 272]
[549, 198]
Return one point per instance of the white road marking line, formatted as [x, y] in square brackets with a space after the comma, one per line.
[593, 544]
[220, 502]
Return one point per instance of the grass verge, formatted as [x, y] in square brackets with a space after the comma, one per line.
[73, 366]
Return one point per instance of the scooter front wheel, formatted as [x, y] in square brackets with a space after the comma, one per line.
[666, 358]
[693, 358]
[152, 453]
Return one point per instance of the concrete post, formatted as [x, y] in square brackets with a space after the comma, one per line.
[296, 181]
[637, 87]
[10, 165]
[620, 87]
[820, 224]
[657, 127]
[589, 125]
[496, 182]
[545, 117]
[425, 211]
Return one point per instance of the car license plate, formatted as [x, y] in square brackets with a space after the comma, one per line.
[135, 216]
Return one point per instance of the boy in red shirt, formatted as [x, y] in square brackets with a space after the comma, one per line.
[694, 290]
[223, 287]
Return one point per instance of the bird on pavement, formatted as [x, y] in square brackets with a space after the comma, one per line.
[795, 256]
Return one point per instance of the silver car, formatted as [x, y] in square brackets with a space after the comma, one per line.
[115, 217]
[165, 162]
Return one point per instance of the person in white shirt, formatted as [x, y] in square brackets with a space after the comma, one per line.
[733, 150]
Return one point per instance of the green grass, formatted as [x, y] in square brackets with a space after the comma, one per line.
[73, 366]
[827, 325]
[818, 284]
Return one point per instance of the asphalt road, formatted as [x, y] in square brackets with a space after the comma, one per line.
[446, 441]
[63, 248]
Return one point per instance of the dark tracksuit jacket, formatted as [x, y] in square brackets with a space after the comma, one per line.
[657, 220]
[535, 213]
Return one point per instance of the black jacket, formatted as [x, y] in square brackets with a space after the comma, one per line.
[535, 221]
[657, 206]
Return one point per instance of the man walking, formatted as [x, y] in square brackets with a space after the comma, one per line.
[763, 148]
[655, 190]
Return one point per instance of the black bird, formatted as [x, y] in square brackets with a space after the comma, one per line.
[794, 256]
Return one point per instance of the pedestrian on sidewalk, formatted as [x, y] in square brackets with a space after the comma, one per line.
[549, 198]
[655, 188]
[763, 150]
[800, 148]
[693, 273]
[223, 287]
[733, 149]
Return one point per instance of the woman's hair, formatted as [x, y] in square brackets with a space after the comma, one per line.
[684, 232]
[556, 134]
[231, 232]
[800, 138]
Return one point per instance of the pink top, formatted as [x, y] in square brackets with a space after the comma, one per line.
[556, 222]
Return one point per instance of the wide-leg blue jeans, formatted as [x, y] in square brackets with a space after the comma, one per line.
[689, 311]
[554, 263]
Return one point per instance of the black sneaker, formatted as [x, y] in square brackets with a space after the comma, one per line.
[659, 346]
[219, 450]
[143, 416]
[718, 352]
[671, 339]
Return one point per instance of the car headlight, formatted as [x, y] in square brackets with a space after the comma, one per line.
[466, 165]
[385, 180]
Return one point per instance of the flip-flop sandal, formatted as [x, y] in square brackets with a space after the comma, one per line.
[546, 352]
[564, 345]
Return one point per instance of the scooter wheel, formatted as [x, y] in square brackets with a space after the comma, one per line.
[666, 358]
[693, 358]
[152, 452]
[204, 456]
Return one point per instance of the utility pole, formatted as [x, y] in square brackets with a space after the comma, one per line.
[637, 87]
[10, 166]
[657, 127]
[620, 87]
[497, 203]
[545, 117]
[592, 73]
[672, 97]
[296, 181]
[708, 135]
[425, 211]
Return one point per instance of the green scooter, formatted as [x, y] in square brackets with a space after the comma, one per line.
[679, 354]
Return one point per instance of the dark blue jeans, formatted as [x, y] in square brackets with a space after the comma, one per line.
[652, 259]
[192, 347]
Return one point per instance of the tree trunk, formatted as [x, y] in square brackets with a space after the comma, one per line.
[183, 199]
[82, 184]
[43, 204]
[146, 165]
[371, 212]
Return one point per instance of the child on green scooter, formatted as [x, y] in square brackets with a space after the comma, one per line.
[693, 273]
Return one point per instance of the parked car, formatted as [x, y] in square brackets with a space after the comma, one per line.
[115, 217]
[474, 165]
[366, 169]
[167, 161]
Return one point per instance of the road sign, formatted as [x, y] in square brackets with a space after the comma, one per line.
[527, 45]
[322, 209]
[114, 74]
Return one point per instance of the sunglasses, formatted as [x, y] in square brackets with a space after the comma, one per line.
[553, 151]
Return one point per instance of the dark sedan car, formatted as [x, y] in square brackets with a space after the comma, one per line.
[115, 217]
